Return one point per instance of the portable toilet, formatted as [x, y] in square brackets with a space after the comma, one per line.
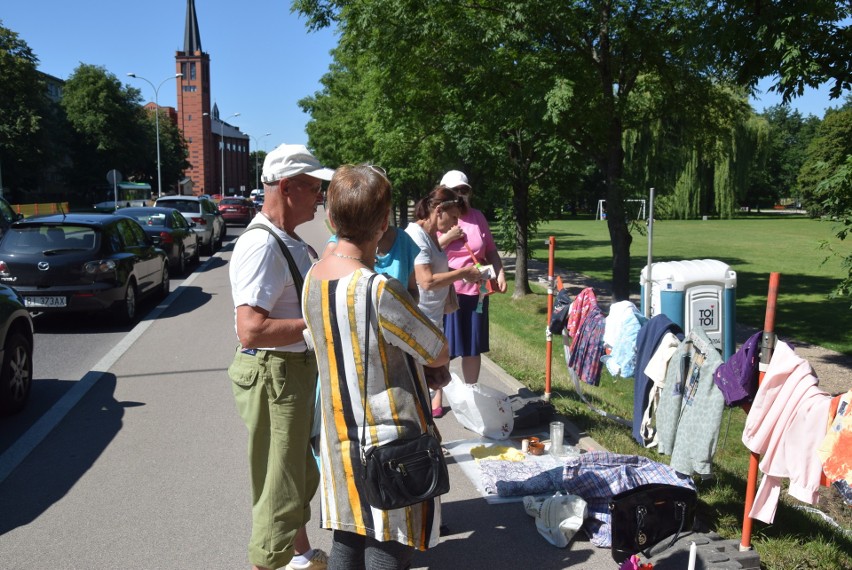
[699, 292]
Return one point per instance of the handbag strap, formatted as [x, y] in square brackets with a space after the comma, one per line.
[472, 255]
[417, 391]
[298, 280]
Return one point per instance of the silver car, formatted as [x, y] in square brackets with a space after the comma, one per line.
[209, 223]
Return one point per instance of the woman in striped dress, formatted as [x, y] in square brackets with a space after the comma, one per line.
[402, 342]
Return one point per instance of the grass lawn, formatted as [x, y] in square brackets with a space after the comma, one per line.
[753, 248]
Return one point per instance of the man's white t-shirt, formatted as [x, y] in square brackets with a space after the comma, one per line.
[431, 302]
[260, 275]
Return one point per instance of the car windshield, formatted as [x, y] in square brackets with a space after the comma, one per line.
[31, 239]
[157, 220]
[182, 206]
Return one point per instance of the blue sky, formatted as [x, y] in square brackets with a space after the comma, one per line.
[263, 59]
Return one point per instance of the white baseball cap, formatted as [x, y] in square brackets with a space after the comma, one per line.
[289, 160]
[454, 178]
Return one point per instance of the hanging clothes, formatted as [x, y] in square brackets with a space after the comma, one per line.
[835, 450]
[647, 343]
[587, 347]
[622, 329]
[737, 378]
[655, 370]
[691, 406]
[583, 303]
[785, 425]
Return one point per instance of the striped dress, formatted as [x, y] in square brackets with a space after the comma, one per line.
[402, 339]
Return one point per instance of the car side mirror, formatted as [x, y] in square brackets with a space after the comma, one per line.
[18, 217]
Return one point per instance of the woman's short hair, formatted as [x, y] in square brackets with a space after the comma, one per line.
[439, 196]
[359, 198]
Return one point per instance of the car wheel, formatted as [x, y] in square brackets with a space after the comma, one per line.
[181, 264]
[166, 284]
[126, 311]
[221, 237]
[16, 375]
[211, 247]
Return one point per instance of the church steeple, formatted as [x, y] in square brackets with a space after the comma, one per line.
[191, 35]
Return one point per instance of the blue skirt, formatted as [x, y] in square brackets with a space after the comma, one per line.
[467, 330]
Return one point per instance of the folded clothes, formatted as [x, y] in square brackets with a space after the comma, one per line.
[504, 452]
[533, 476]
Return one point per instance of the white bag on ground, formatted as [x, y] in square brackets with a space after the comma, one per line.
[480, 409]
[557, 518]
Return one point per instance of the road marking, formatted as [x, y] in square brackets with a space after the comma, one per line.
[15, 455]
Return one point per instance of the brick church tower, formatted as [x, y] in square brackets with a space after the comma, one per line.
[208, 138]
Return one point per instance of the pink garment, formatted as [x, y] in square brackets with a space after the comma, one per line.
[479, 238]
[584, 302]
[786, 425]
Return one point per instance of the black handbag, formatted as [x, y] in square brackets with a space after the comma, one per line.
[402, 472]
[644, 516]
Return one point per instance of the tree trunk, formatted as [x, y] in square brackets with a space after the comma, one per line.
[520, 205]
[616, 219]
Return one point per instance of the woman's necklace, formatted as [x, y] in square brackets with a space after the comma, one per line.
[344, 256]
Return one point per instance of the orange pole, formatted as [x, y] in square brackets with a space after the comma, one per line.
[767, 344]
[549, 336]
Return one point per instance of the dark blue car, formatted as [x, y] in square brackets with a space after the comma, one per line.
[82, 262]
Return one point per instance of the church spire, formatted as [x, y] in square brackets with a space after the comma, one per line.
[191, 35]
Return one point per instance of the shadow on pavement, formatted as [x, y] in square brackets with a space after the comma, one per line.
[56, 465]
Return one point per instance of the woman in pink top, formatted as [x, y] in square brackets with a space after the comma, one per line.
[467, 328]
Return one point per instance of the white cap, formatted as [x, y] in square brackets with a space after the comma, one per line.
[454, 178]
[289, 160]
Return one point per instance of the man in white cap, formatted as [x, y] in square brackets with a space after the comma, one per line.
[273, 372]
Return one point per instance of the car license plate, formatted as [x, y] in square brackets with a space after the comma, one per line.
[230, 209]
[41, 302]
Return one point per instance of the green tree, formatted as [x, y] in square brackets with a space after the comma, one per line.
[174, 152]
[787, 140]
[827, 152]
[109, 126]
[23, 106]
[836, 194]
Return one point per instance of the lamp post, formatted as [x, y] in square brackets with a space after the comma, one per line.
[157, 122]
[256, 167]
[223, 151]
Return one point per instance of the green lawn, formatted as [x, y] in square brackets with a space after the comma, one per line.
[752, 247]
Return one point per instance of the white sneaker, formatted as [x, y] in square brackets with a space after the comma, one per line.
[318, 561]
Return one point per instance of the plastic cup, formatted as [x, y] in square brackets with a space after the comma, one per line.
[557, 437]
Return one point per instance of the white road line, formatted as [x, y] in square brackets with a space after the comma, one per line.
[12, 457]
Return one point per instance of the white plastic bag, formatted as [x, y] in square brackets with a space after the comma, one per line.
[480, 409]
[557, 518]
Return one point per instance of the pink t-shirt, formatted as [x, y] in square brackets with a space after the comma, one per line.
[479, 238]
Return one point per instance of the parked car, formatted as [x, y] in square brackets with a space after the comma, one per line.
[169, 231]
[16, 358]
[82, 262]
[237, 210]
[209, 223]
[8, 216]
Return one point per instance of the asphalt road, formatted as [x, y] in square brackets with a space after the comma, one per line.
[132, 454]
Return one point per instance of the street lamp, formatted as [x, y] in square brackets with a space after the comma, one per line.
[157, 122]
[256, 167]
[223, 151]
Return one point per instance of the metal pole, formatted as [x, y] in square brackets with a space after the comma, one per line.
[648, 280]
[256, 166]
[223, 151]
[767, 345]
[157, 122]
[551, 254]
